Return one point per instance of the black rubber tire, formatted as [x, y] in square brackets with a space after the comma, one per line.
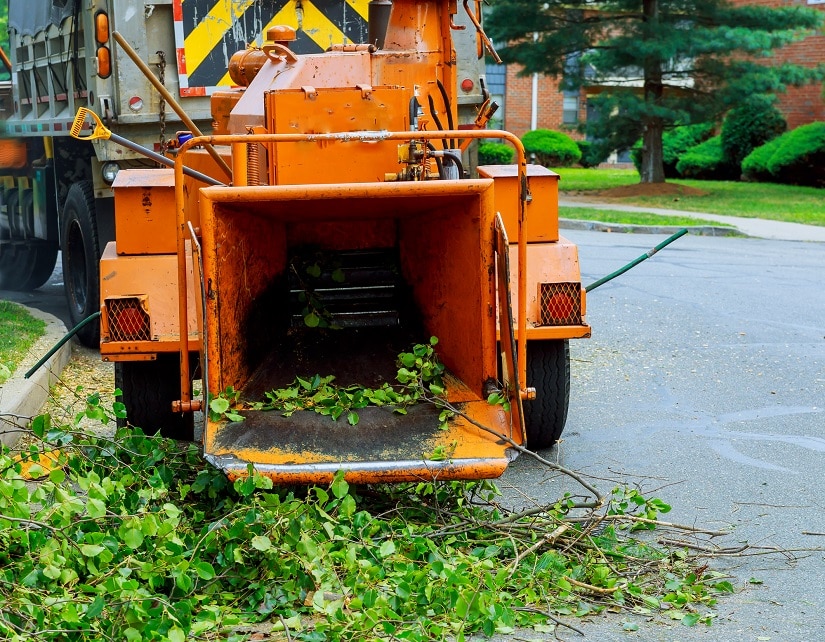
[18, 260]
[81, 260]
[9, 260]
[548, 371]
[41, 257]
[149, 388]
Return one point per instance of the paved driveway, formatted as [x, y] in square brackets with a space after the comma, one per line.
[705, 379]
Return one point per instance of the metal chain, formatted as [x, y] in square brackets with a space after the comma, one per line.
[164, 144]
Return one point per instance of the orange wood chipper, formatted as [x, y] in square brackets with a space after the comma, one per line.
[341, 229]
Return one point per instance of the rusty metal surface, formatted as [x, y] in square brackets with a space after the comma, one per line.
[383, 446]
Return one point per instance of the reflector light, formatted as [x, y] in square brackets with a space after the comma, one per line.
[101, 28]
[128, 321]
[560, 303]
[467, 85]
[104, 62]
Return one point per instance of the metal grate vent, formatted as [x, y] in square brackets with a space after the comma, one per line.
[560, 303]
[128, 321]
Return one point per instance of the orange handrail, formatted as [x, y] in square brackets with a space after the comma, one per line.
[364, 136]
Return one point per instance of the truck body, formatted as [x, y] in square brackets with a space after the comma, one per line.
[348, 234]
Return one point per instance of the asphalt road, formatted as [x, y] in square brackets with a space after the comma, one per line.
[704, 383]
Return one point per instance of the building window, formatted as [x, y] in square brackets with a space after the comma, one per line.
[570, 108]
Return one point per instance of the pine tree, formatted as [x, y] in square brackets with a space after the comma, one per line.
[656, 64]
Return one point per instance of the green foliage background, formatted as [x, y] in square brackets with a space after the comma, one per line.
[690, 61]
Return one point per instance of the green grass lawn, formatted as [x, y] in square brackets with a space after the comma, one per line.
[750, 200]
[18, 332]
[605, 215]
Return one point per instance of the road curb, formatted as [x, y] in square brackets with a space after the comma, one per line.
[621, 228]
[21, 398]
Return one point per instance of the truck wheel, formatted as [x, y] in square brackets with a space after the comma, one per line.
[149, 388]
[16, 260]
[548, 371]
[81, 259]
[10, 266]
[41, 257]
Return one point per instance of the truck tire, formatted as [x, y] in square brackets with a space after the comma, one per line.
[23, 266]
[81, 260]
[10, 267]
[42, 255]
[548, 371]
[149, 388]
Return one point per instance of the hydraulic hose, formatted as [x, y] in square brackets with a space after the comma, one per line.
[635, 262]
[60, 343]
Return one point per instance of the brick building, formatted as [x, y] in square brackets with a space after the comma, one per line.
[537, 102]
[800, 105]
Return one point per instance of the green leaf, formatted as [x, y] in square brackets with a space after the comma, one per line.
[690, 619]
[219, 405]
[312, 320]
[176, 634]
[352, 418]
[338, 275]
[95, 508]
[314, 270]
[261, 543]
[630, 626]
[95, 608]
[91, 550]
[132, 537]
[57, 476]
[387, 548]
[340, 487]
[204, 570]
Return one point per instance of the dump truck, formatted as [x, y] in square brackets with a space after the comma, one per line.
[55, 191]
[348, 248]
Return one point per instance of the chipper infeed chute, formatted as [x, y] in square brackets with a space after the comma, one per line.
[430, 248]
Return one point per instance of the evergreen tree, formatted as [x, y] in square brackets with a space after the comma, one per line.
[657, 64]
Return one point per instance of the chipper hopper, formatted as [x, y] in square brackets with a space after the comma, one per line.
[350, 234]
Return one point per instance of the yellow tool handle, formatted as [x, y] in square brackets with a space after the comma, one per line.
[100, 130]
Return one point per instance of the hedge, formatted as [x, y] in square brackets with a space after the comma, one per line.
[706, 161]
[755, 164]
[495, 154]
[797, 157]
[750, 125]
[675, 142]
[551, 148]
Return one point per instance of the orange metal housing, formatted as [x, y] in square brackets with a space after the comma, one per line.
[541, 213]
[347, 142]
[443, 233]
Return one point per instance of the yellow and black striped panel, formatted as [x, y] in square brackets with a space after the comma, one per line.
[208, 32]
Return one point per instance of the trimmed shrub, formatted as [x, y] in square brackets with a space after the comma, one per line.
[755, 164]
[796, 157]
[675, 142]
[495, 154]
[592, 154]
[800, 159]
[552, 149]
[706, 161]
[751, 124]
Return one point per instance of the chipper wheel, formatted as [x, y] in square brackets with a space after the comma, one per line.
[149, 388]
[548, 371]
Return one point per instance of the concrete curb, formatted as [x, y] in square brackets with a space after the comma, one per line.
[20, 398]
[697, 230]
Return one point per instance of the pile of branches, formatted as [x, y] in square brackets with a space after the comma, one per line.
[136, 537]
